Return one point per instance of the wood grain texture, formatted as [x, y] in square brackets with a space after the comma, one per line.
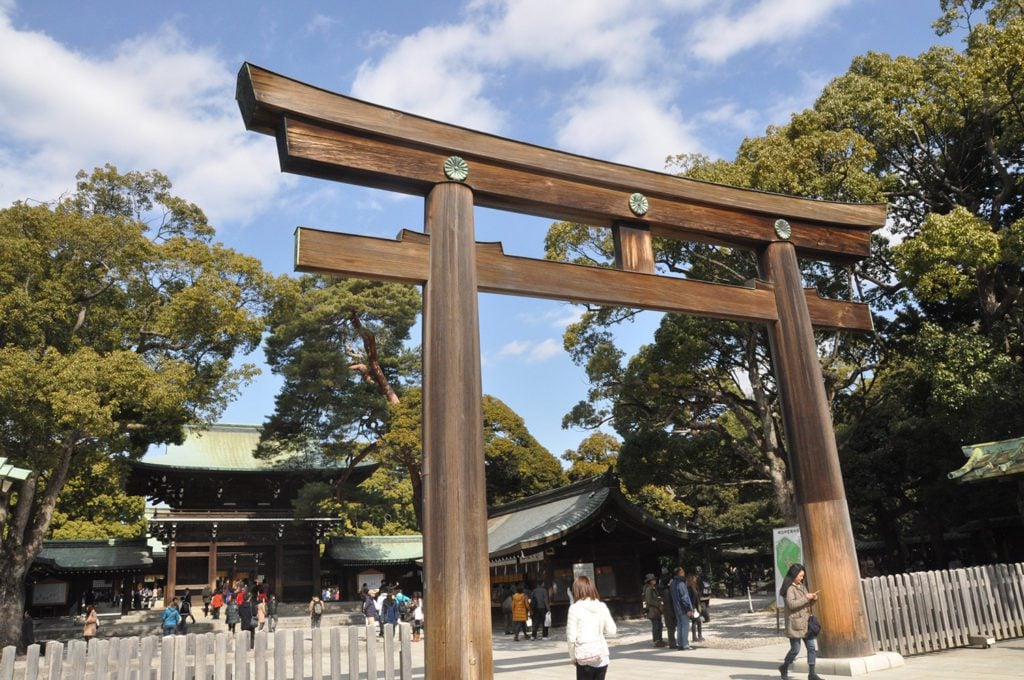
[454, 492]
[814, 461]
[832, 569]
[634, 251]
[266, 100]
[342, 155]
[406, 261]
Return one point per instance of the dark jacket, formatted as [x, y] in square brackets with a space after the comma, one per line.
[245, 613]
[652, 601]
[232, 613]
[389, 611]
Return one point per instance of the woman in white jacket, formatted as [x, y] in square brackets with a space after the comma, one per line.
[588, 623]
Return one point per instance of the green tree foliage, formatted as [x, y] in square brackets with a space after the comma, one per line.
[93, 505]
[939, 137]
[596, 455]
[119, 320]
[947, 131]
[351, 394]
[516, 464]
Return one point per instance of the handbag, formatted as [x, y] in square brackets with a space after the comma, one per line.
[813, 627]
[588, 653]
[547, 619]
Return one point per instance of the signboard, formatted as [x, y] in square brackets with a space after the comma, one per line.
[54, 592]
[583, 569]
[787, 549]
[372, 579]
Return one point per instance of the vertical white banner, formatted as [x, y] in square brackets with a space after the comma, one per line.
[787, 549]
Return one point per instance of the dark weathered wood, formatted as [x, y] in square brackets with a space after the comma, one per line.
[458, 644]
[814, 462]
[328, 135]
[634, 251]
[343, 155]
[405, 261]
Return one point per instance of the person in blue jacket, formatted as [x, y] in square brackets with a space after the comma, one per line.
[171, 617]
[683, 606]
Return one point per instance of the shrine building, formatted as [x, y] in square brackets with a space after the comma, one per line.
[221, 513]
[588, 527]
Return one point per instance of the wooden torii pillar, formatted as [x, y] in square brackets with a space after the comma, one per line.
[330, 136]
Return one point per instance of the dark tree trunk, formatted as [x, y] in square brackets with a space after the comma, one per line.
[12, 598]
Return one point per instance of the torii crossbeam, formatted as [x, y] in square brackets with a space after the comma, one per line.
[330, 136]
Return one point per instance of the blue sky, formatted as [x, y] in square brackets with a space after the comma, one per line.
[148, 85]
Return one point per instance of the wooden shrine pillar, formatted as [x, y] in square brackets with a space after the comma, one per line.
[211, 564]
[454, 492]
[278, 569]
[172, 573]
[829, 551]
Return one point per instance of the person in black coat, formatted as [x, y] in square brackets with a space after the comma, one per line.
[246, 612]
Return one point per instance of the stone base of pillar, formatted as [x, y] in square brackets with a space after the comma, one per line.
[857, 665]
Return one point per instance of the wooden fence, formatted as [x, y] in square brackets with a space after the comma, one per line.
[319, 653]
[928, 611]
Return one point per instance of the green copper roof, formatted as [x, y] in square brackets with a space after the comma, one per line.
[94, 556]
[991, 460]
[376, 549]
[524, 525]
[221, 447]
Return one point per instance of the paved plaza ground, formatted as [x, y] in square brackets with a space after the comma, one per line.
[738, 645]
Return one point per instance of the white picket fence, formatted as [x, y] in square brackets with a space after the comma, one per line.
[333, 653]
[932, 610]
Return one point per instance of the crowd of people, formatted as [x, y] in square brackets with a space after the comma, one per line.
[678, 605]
[388, 604]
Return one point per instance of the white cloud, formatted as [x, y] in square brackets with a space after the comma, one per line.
[543, 351]
[319, 23]
[158, 102]
[627, 124]
[766, 22]
[514, 348]
[454, 72]
[432, 74]
[531, 351]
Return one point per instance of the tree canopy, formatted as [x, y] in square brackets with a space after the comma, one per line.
[351, 393]
[940, 137]
[120, 318]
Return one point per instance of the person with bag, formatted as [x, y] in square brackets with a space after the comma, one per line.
[316, 610]
[800, 621]
[588, 623]
[652, 603]
[247, 617]
[541, 614]
[520, 612]
[185, 609]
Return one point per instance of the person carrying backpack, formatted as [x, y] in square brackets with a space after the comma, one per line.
[316, 610]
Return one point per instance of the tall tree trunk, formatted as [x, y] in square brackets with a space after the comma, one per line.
[12, 597]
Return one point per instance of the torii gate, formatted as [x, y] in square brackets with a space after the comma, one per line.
[327, 135]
